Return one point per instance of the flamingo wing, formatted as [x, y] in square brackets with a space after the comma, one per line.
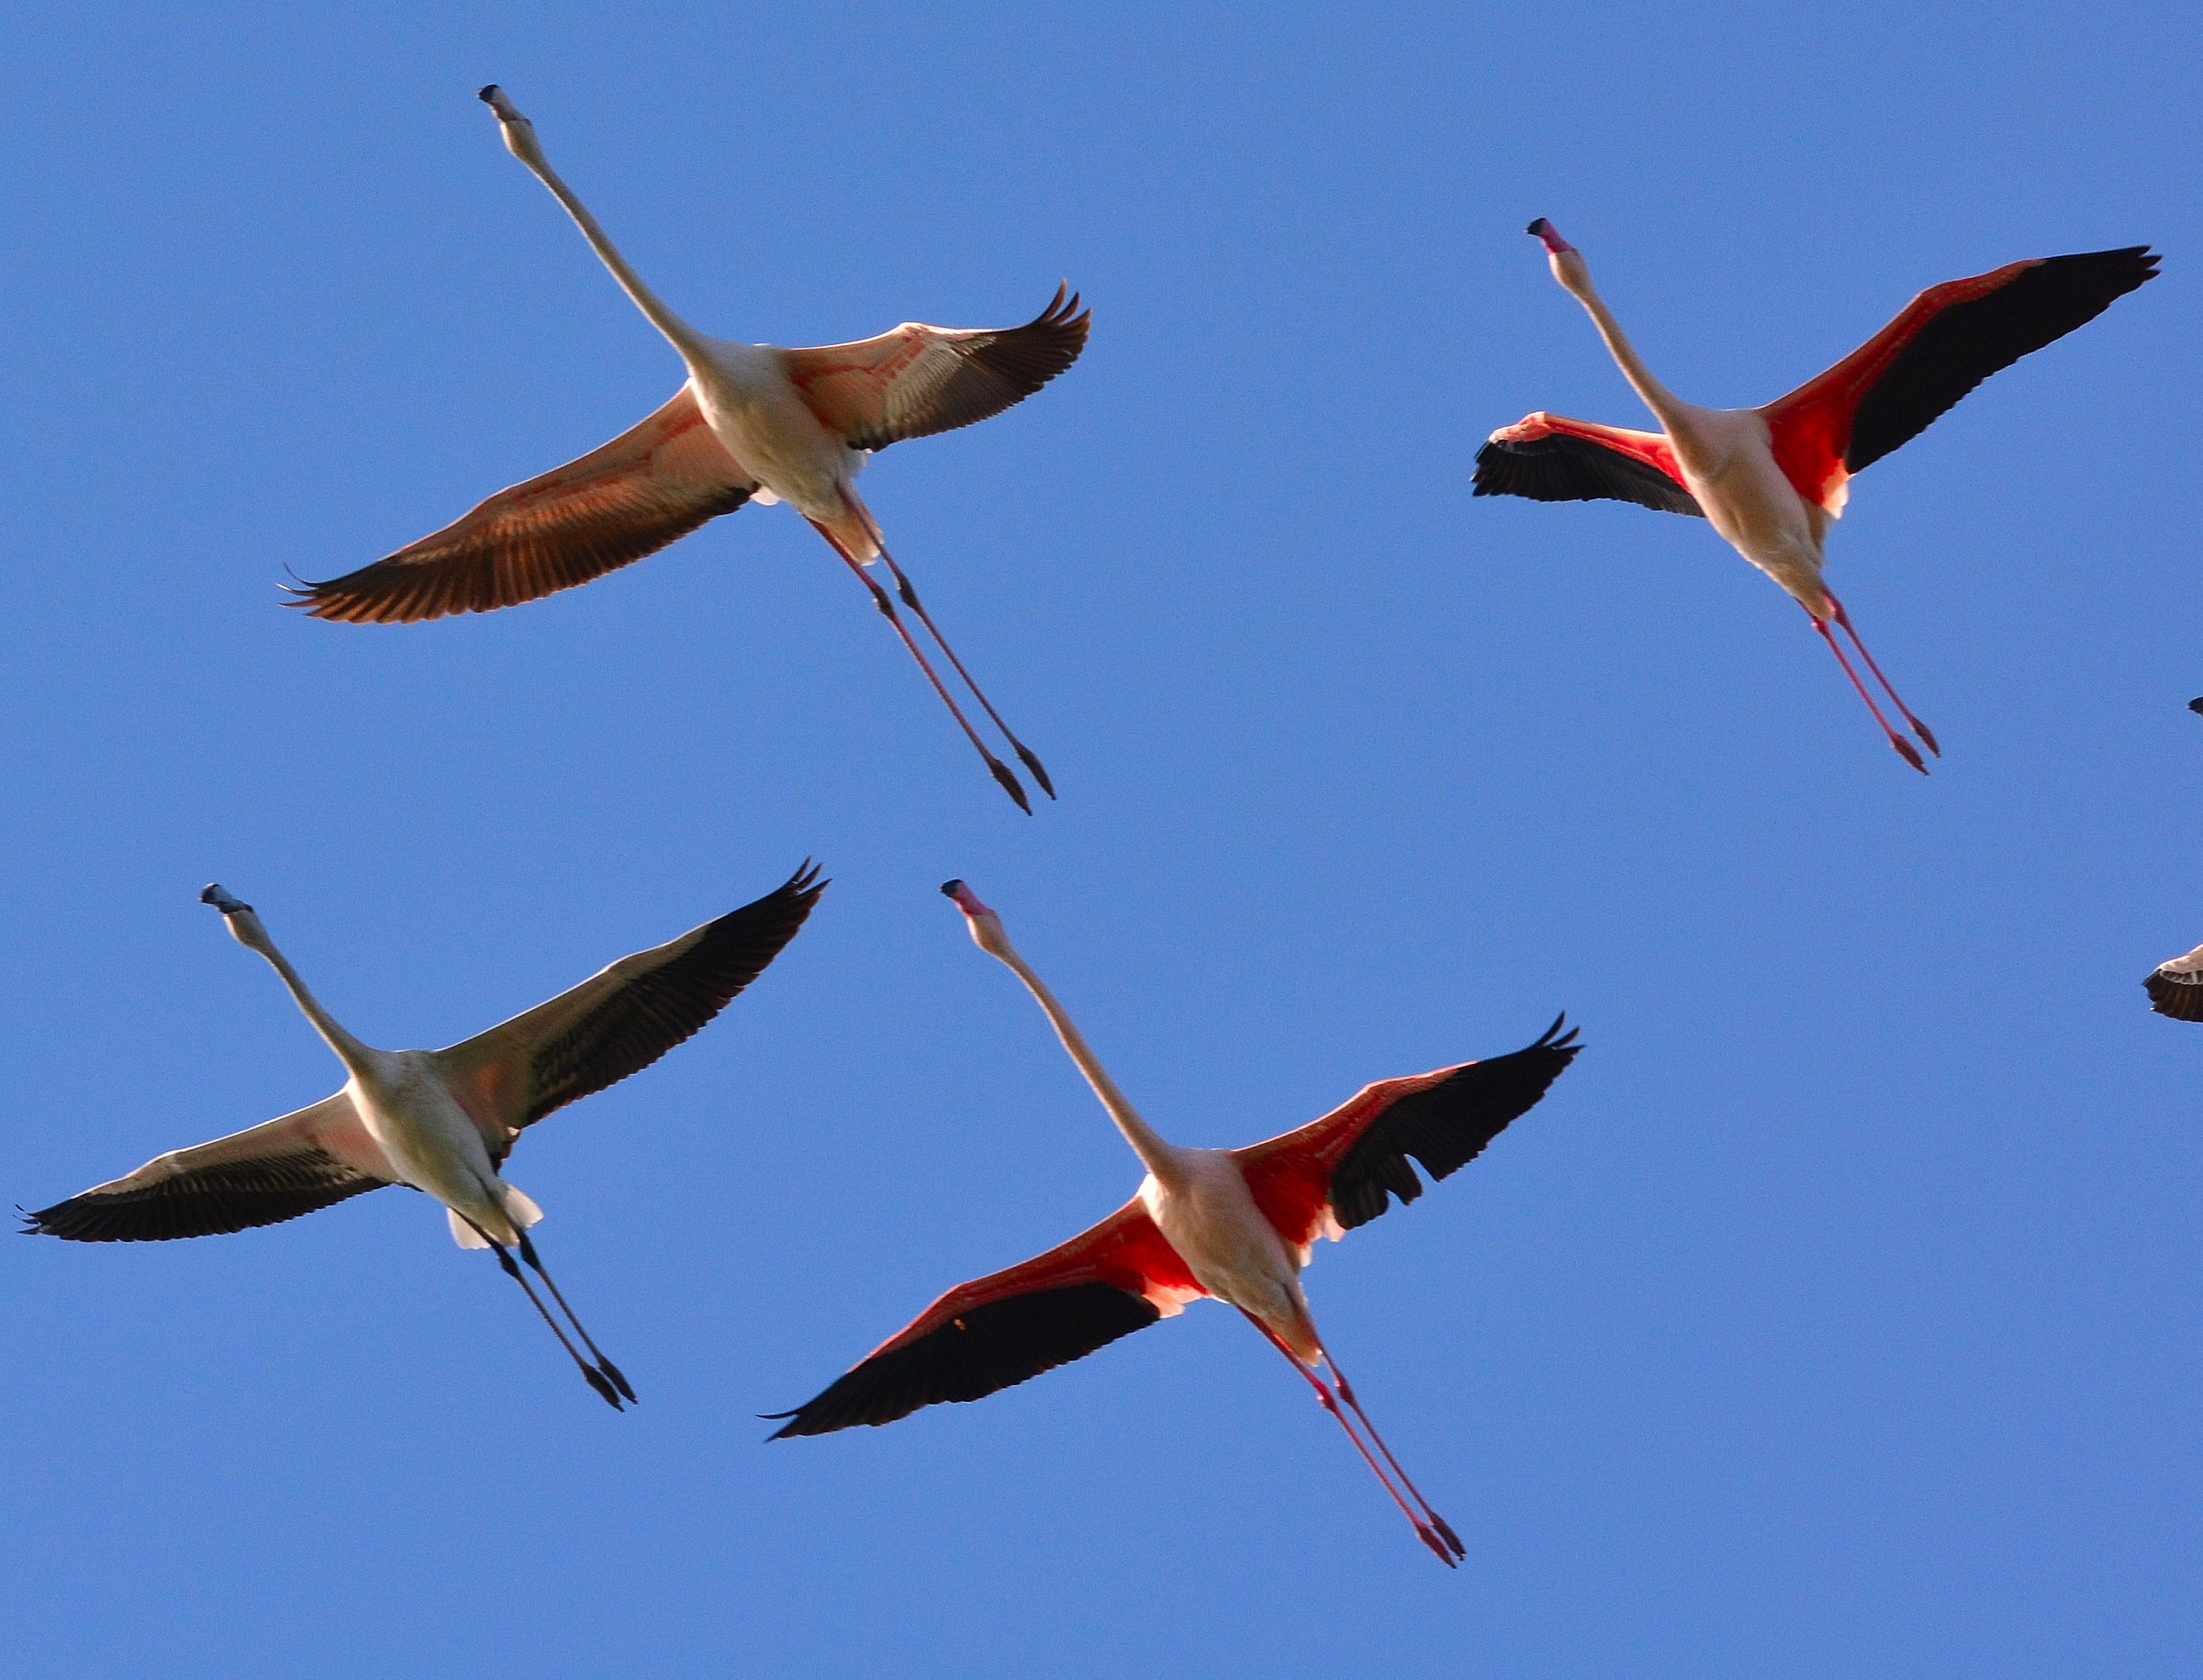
[654, 482]
[263, 1175]
[918, 380]
[621, 1018]
[1942, 344]
[999, 1331]
[1548, 457]
[1342, 1170]
[2175, 988]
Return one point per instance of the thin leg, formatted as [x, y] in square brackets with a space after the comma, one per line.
[1843, 618]
[1025, 754]
[1904, 748]
[595, 1377]
[1424, 1531]
[886, 604]
[1346, 1393]
[618, 1379]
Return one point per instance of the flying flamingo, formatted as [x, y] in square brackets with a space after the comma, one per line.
[1770, 479]
[753, 423]
[1235, 1224]
[2175, 988]
[443, 1121]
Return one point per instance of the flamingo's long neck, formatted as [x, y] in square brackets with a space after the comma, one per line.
[1576, 279]
[1159, 1155]
[354, 1055]
[683, 337]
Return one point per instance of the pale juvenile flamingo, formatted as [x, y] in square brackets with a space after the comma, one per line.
[1235, 1224]
[753, 423]
[1771, 479]
[443, 1121]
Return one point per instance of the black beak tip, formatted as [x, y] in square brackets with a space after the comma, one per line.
[489, 93]
[2196, 705]
[950, 888]
[1533, 228]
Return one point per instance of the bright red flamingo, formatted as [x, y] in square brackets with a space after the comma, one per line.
[1770, 479]
[1235, 1224]
[753, 422]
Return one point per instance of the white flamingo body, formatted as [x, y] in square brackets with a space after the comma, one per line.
[761, 419]
[428, 1140]
[444, 1121]
[1208, 1212]
[1728, 460]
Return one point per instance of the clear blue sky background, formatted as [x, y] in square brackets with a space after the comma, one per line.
[1835, 1316]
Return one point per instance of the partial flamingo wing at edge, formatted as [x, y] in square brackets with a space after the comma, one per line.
[1115, 1278]
[2175, 988]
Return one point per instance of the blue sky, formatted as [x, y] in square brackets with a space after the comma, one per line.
[1835, 1314]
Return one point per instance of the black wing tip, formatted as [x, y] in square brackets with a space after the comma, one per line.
[1543, 1060]
[2106, 275]
[808, 880]
[2140, 261]
[844, 1404]
[2177, 1000]
[1552, 1038]
[79, 1219]
[1487, 461]
[1064, 313]
[794, 1427]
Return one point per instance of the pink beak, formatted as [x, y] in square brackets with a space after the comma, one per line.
[1549, 236]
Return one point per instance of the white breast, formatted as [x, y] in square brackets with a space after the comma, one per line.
[1233, 1252]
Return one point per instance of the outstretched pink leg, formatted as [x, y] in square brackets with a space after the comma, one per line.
[1448, 1555]
[886, 603]
[1346, 1393]
[1843, 618]
[1030, 759]
[1905, 747]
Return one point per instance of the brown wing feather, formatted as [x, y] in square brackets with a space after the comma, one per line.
[658, 481]
[919, 379]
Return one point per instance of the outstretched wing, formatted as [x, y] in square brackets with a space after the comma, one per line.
[919, 379]
[2175, 988]
[1942, 344]
[648, 485]
[1342, 1170]
[261, 1176]
[621, 1018]
[995, 1331]
[1548, 457]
